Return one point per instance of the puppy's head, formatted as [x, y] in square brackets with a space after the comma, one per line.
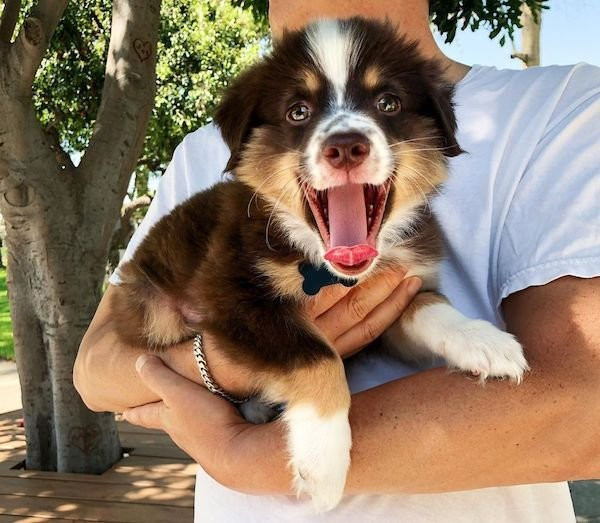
[344, 130]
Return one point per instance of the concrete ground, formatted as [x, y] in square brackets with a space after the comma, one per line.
[10, 393]
[586, 494]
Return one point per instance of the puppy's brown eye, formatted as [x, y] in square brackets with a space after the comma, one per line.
[298, 113]
[388, 103]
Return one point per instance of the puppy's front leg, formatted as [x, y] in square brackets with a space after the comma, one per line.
[316, 417]
[431, 326]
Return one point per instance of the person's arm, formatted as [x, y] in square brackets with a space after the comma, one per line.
[104, 372]
[434, 431]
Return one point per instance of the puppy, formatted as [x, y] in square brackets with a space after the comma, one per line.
[338, 141]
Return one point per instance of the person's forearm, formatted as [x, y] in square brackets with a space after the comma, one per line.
[105, 375]
[434, 432]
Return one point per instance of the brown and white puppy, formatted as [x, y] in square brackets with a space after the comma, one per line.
[338, 141]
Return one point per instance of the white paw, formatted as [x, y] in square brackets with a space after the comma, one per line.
[319, 454]
[257, 411]
[478, 347]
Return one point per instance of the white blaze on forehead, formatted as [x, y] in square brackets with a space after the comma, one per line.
[334, 48]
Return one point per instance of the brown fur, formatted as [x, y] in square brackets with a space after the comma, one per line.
[223, 261]
[322, 385]
[372, 77]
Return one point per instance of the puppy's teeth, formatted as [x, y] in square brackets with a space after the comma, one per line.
[371, 208]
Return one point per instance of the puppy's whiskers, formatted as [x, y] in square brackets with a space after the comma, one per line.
[273, 209]
[268, 178]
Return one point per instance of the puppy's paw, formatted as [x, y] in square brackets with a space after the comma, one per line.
[478, 347]
[319, 454]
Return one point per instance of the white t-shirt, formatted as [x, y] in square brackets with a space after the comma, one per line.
[521, 208]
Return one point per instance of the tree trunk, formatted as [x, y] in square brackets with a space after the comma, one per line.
[54, 292]
[124, 230]
[59, 221]
[530, 37]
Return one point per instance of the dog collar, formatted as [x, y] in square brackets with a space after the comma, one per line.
[317, 277]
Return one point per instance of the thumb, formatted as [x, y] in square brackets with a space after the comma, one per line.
[160, 379]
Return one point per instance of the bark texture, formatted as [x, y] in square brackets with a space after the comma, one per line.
[530, 37]
[59, 221]
[124, 229]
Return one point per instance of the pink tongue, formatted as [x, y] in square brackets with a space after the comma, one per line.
[348, 226]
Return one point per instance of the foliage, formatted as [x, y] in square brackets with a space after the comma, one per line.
[202, 43]
[500, 16]
[6, 339]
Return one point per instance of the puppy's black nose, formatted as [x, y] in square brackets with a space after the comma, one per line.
[346, 150]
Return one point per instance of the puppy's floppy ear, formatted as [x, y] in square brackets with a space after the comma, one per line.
[443, 113]
[236, 114]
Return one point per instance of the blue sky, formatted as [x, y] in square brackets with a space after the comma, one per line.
[570, 34]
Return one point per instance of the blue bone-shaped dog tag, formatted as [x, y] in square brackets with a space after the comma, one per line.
[317, 277]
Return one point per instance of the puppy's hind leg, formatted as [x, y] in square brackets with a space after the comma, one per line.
[431, 326]
[318, 431]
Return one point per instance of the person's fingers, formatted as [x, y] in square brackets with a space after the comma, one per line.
[149, 416]
[325, 299]
[357, 304]
[160, 379]
[379, 319]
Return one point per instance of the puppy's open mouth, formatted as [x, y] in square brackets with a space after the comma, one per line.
[349, 218]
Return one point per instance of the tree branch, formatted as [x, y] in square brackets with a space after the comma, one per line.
[127, 99]
[8, 21]
[524, 57]
[140, 202]
[34, 38]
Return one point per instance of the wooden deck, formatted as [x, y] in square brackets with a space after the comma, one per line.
[155, 483]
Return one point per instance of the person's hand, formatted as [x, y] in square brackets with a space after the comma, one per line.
[351, 318]
[198, 421]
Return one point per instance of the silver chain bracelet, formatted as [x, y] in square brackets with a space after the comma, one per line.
[204, 372]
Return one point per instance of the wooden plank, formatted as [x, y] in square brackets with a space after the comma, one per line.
[156, 465]
[9, 458]
[14, 444]
[137, 439]
[12, 415]
[8, 438]
[84, 510]
[10, 426]
[125, 426]
[172, 453]
[9, 519]
[136, 477]
[56, 488]
[155, 483]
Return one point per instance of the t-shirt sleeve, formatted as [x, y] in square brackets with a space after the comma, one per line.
[552, 228]
[197, 164]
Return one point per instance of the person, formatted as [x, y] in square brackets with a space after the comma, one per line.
[520, 214]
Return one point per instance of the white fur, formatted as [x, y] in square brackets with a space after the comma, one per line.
[302, 236]
[474, 346]
[399, 226]
[379, 163]
[319, 454]
[334, 51]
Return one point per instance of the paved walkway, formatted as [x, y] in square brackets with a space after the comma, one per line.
[10, 393]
